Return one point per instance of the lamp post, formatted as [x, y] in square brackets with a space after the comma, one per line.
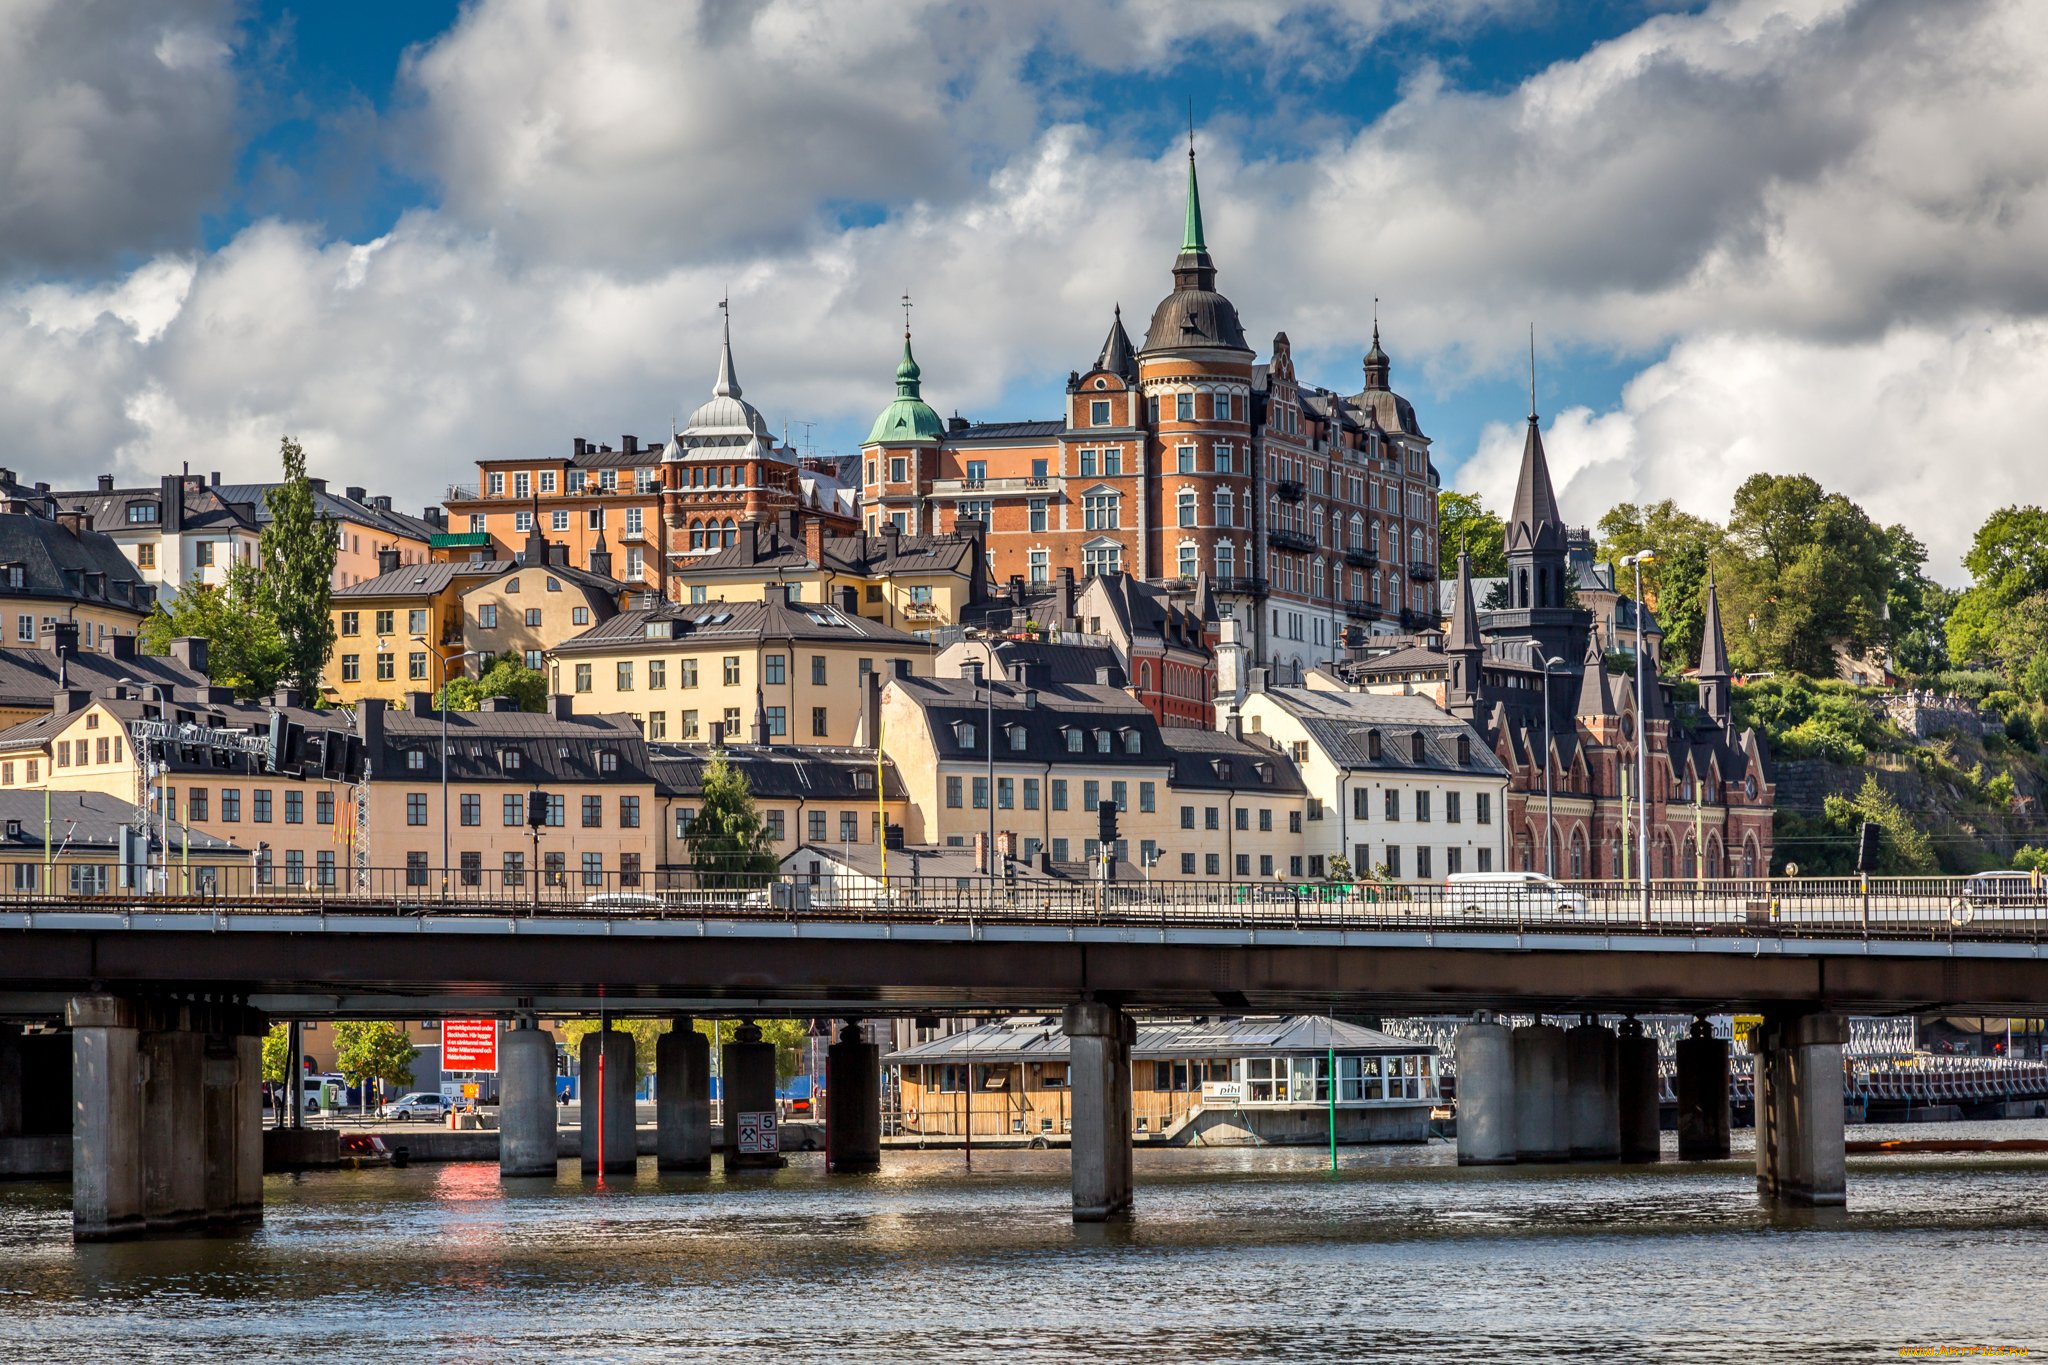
[446, 659]
[1549, 810]
[1636, 561]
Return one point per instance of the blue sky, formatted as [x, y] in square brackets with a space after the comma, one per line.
[1752, 234]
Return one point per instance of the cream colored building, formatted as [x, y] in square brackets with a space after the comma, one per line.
[765, 671]
[55, 568]
[807, 795]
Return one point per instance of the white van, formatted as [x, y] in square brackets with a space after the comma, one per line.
[1515, 895]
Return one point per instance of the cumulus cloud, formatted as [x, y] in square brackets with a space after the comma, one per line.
[116, 127]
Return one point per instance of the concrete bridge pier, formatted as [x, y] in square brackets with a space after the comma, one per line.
[682, 1098]
[528, 1123]
[1099, 1037]
[248, 1183]
[1485, 1049]
[853, 1097]
[1542, 1093]
[227, 1042]
[609, 1071]
[1593, 1087]
[106, 1131]
[1702, 1094]
[1799, 1153]
[1636, 1100]
[750, 1102]
[178, 1124]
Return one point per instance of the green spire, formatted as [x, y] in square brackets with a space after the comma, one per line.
[907, 373]
[1191, 239]
[909, 417]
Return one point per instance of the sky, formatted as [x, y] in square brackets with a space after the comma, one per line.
[1751, 235]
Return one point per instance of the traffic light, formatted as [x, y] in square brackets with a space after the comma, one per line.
[1866, 847]
[536, 808]
[1105, 822]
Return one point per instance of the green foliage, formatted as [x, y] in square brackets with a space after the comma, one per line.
[1971, 684]
[1338, 868]
[646, 1034]
[298, 572]
[277, 1054]
[372, 1050]
[729, 845]
[1799, 718]
[2008, 564]
[505, 676]
[1675, 582]
[1820, 737]
[2031, 858]
[244, 649]
[2000, 790]
[1464, 523]
[790, 1037]
[1903, 849]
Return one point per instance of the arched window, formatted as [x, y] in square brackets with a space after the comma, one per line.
[1144, 676]
[1688, 858]
[1521, 587]
[1357, 531]
[1578, 854]
[731, 533]
[1415, 546]
[696, 535]
[1749, 855]
[1714, 860]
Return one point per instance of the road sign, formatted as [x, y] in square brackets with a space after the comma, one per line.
[758, 1132]
[469, 1045]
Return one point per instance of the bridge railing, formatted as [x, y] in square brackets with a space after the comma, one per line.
[1914, 907]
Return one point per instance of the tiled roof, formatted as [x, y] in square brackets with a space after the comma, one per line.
[718, 620]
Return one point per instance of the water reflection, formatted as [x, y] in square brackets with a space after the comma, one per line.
[1237, 1254]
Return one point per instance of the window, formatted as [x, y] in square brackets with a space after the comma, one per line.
[415, 869]
[1099, 511]
[583, 677]
[849, 827]
[980, 793]
[778, 721]
[814, 824]
[1393, 804]
[472, 809]
[732, 670]
[657, 725]
[593, 812]
[1059, 795]
[629, 812]
[514, 869]
[1452, 815]
[772, 669]
[953, 792]
[773, 821]
[1098, 412]
[624, 680]
[323, 808]
[260, 802]
[593, 869]
[1041, 566]
[532, 618]
[387, 667]
[1184, 407]
[350, 622]
[1222, 402]
[515, 809]
[1030, 793]
[230, 803]
[295, 808]
[88, 879]
[202, 553]
[817, 670]
[415, 808]
[384, 622]
[686, 673]
[1035, 511]
[689, 725]
[897, 469]
[1422, 810]
[1100, 560]
[820, 726]
[1147, 798]
[1185, 501]
[1482, 807]
[416, 665]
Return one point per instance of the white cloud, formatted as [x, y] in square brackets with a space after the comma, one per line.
[116, 127]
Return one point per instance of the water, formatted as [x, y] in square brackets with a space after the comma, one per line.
[1234, 1256]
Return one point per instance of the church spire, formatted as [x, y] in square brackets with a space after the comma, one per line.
[1464, 646]
[1376, 365]
[1116, 355]
[1716, 693]
[1191, 236]
[1535, 522]
[728, 385]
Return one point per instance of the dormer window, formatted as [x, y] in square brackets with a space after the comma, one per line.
[1075, 740]
[1134, 742]
[963, 733]
[863, 780]
[415, 759]
[1373, 750]
[1102, 741]
[1415, 746]
[1017, 738]
[508, 760]
[1221, 768]
[607, 761]
[1464, 750]
[1265, 772]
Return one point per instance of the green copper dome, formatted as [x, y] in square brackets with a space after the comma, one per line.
[909, 418]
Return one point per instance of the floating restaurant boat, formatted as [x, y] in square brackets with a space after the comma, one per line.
[1203, 1082]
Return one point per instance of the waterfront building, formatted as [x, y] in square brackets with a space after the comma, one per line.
[29, 678]
[1312, 513]
[768, 671]
[1209, 1082]
[815, 796]
[90, 844]
[55, 568]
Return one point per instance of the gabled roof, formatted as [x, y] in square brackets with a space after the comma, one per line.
[1341, 725]
[335, 505]
[662, 627]
[62, 567]
[1216, 760]
[569, 749]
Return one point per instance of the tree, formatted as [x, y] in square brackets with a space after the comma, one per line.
[646, 1033]
[277, 1054]
[1675, 582]
[729, 845]
[244, 649]
[298, 571]
[1904, 848]
[2008, 564]
[372, 1050]
[505, 676]
[790, 1037]
[1802, 572]
[1463, 523]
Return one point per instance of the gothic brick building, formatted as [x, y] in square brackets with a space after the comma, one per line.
[1311, 514]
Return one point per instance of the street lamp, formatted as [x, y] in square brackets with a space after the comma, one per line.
[446, 659]
[1636, 561]
[1549, 813]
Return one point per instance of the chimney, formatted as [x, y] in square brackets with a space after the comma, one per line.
[1063, 599]
[190, 651]
[902, 667]
[630, 444]
[601, 557]
[970, 672]
[748, 542]
[561, 706]
[785, 526]
[775, 592]
[892, 537]
[717, 728]
[419, 703]
[106, 483]
[382, 502]
[870, 708]
[814, 540]
[496, 705]
[558, 555]
[72, 520]
[387, 560]
[291, 696]
[1109, 675]
[121, 646]
[435, 516]
[370, 727]
[582, 446]
[319, 485]
[1006, 844]
[1235, 724]
[849, 601]
[1016, 590]
[1261, 678]
[63, 639]
[68, 699]
[981, 852]
[354, 494]
[892, 837]
[171, 518]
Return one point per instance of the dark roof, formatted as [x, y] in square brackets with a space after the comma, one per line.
[951, 702]
[28, 677]
[783, 551]
[1534, 520]
[1116, 355]
[1004, 431]
[718, 620]
[551, 748]
[1062, 663]
[595, 458]
[1147, 611]
[204, 509]
[418, 580]
[776, 772]
[90, 820]
[55, 564]
[341, 508]
[1219, 761]
[1039, 1038]
[920, 861]
[186, 706]
[1341, 723]
[1713, 649]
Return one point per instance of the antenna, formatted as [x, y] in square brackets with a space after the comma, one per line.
[1532, 371]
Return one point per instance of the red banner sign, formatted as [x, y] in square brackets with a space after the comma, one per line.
[469, 1045]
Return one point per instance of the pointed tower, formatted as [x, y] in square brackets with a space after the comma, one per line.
[1596, 695]
[899, 456]
[1539, 554]
[1117, 356]
[1377, 367]
[1716, 687]
[1194, 316]
[1466, 648]
[908, 417]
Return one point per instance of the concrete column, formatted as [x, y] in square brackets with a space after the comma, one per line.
[1099, 1039]
[1799, 1153]
[221, 1109]
[749, 1063]
[682, 1098]
[106, 1127]
[1637, 1102]
[613, 1095]
[173, 1119]
[248, 1044]
[1593, 1091]
[11, 1074]
[1702, 1094]
[1485, 1049]
[853, 1098]
[527, 1118]
[1542, 1115]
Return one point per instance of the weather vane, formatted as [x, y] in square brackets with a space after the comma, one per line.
[906, 314]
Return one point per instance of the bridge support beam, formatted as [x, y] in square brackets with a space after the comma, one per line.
[1799, 1153]
[231, 1103]
[853, 1098]
[682, 1098]
[1592, 1079]
[1542, 1115]
[609, 1071]
[1702, 1094]
[1636, 1100]
[1485, 1049]
[106, 1129]
[528, 1121]
[1099, 1037]
[248, 1048]
[750, 1090]
[177, 1122]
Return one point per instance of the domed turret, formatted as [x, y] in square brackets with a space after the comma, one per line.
[726, 420]
[1194, 314]
[908, 417]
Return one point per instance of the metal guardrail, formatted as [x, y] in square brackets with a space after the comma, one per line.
[1900, 908]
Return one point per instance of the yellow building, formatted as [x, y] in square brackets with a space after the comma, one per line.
[55, 568]
[807, 795]
[80, 844]
[767, 671]
[577, 500]
[912, 583]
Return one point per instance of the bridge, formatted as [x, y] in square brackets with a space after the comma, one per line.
[165, 995]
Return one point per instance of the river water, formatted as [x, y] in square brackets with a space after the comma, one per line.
[1234, 1255]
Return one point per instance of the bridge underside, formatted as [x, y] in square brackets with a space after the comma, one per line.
[370, 969]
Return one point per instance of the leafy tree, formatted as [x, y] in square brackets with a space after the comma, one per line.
[1464, 523]
[646, 1033]
[729, 845]
[1675, 582]
[277, 1054]
[505, 676]
[244, 649]
[790, 1037]
[298, 571]
[372, 1050]
[1998, 620]
[1903, 849]
[2031, 858]
[1804, 571]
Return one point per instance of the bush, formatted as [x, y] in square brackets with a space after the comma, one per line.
[2000, 790]
[1971, 684]
[2031, 858]
[1820, 738]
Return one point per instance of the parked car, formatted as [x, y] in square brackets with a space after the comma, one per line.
[422, 1104]
[1513, 894]
[623, 902]
[2004, 888]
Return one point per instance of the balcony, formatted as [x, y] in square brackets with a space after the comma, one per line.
[1420, 572]
[462, 492]
[1289, 490]
[1291, 540]
[1358, 609]
[982, 488]
[1361, 559]
[1241, 587]
[1419, 620]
